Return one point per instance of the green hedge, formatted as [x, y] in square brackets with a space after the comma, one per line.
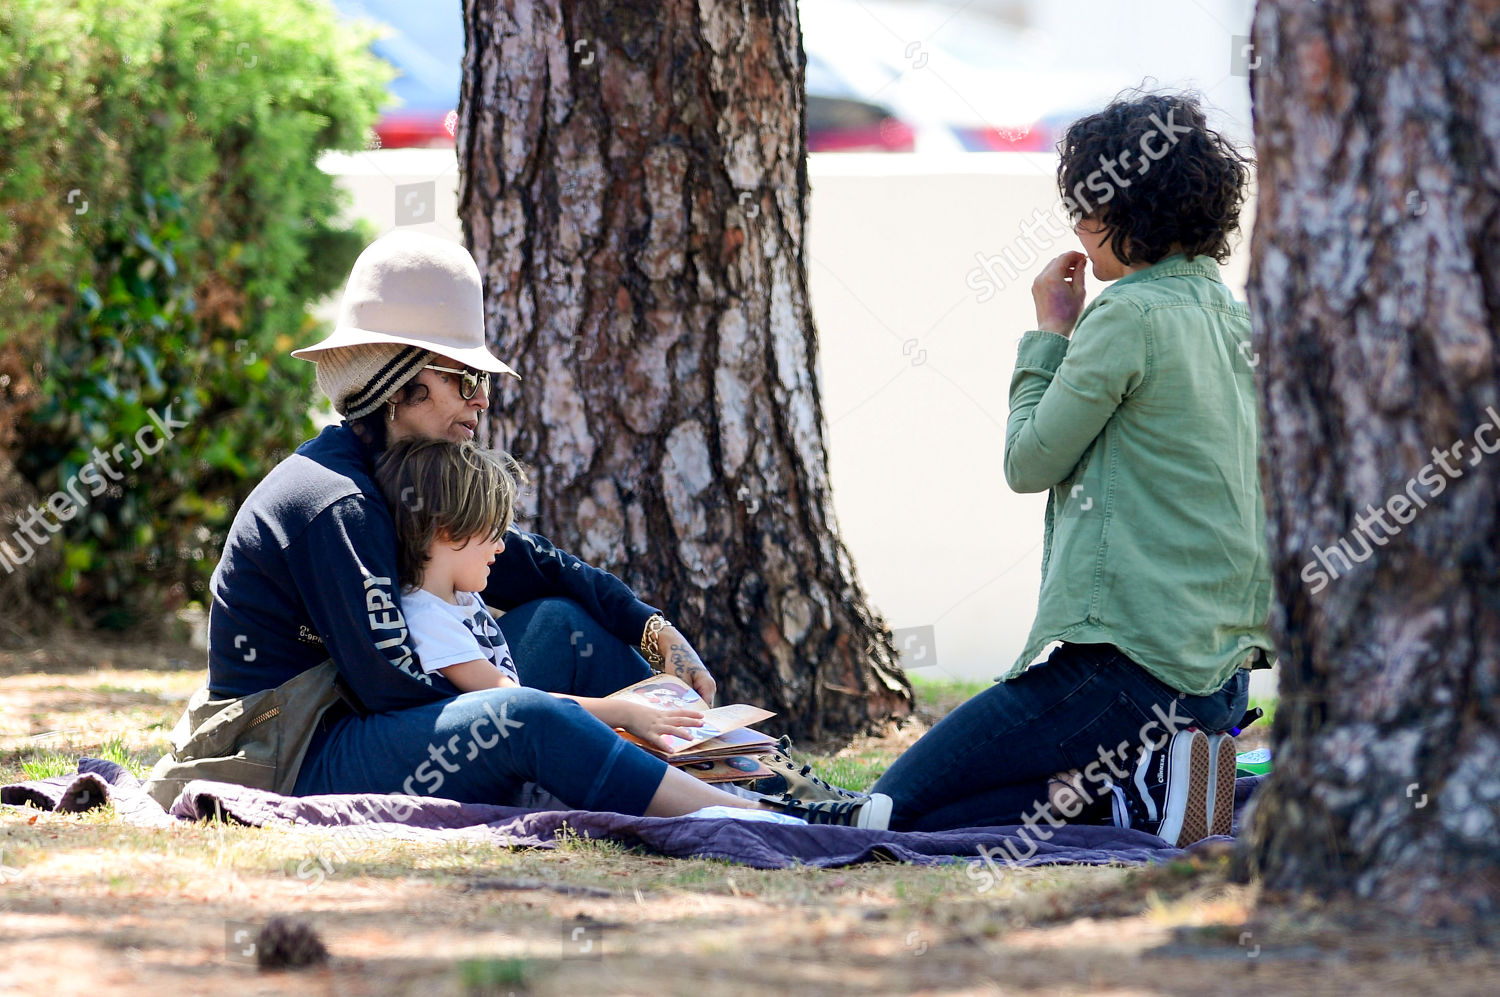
[164, 229]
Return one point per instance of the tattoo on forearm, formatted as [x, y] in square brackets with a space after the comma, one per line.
[680, 660]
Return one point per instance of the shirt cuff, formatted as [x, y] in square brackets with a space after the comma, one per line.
[435, 663]
[635, 621]
[1041, 350]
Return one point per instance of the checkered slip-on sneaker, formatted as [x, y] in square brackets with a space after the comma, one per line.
[1222, 771]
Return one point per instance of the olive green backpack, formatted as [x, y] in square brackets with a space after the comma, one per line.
[257, 741]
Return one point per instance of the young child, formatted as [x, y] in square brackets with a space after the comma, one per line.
[452, 504]
[1138, 414]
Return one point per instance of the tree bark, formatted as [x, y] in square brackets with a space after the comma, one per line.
[1375, 290]
[633, 185]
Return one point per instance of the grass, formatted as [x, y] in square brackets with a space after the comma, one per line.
[484, 977]
[939, 696]
[853, 771]
[473, 917]
[154, 701]
[1268, 704]
[51, 762]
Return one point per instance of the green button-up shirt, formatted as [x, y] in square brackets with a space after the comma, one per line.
[1144, 427]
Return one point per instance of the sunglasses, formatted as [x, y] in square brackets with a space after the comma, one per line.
[469, 381]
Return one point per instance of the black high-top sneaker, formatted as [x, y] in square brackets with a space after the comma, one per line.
[871, 812]
[797, 781]
[1167, 794]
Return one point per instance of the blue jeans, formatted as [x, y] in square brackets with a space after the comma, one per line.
[559, 647]
[1087, 706]
[481, 747]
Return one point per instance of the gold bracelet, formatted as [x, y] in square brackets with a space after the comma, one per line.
[654, 626]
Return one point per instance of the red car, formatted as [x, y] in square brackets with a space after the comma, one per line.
[428, 52]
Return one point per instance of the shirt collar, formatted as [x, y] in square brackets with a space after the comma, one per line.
[1176, 265]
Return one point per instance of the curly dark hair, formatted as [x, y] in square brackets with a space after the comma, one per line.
[1182, 193]
[371, 428]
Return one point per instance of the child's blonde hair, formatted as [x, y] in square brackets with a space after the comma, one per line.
[440, 490]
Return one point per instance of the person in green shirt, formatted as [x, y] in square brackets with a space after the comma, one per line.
[1137, 414]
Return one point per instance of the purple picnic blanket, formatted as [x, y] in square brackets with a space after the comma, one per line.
[751, 843]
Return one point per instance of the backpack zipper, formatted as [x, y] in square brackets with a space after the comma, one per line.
[273, 711]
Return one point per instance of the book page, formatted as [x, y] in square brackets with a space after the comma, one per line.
[716, 723]
[662, 692]
[744, 741]
[667, 692]
[737, 740]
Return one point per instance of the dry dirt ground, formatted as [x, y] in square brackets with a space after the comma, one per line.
[90, 906]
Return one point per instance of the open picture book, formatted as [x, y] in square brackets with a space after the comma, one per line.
[725, 740]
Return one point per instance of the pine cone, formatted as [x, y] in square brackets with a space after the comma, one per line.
[287, 944]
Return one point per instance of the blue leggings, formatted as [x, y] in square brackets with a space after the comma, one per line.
[481, 747]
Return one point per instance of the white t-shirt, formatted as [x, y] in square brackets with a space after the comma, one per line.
[445, 634]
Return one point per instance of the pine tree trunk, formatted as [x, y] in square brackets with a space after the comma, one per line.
[1375, 290]
[634, 187]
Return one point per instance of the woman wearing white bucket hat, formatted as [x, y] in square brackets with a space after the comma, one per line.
[308, 576]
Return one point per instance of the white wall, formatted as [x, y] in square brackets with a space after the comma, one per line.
[915, 369]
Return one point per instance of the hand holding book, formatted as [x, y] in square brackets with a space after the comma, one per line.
[714, 732]
[654, 725]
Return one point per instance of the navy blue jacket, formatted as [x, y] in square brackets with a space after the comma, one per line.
[309, 572]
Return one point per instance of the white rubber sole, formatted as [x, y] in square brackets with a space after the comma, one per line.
[875, 814]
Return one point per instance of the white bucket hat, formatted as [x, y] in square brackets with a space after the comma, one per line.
[406, 289]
